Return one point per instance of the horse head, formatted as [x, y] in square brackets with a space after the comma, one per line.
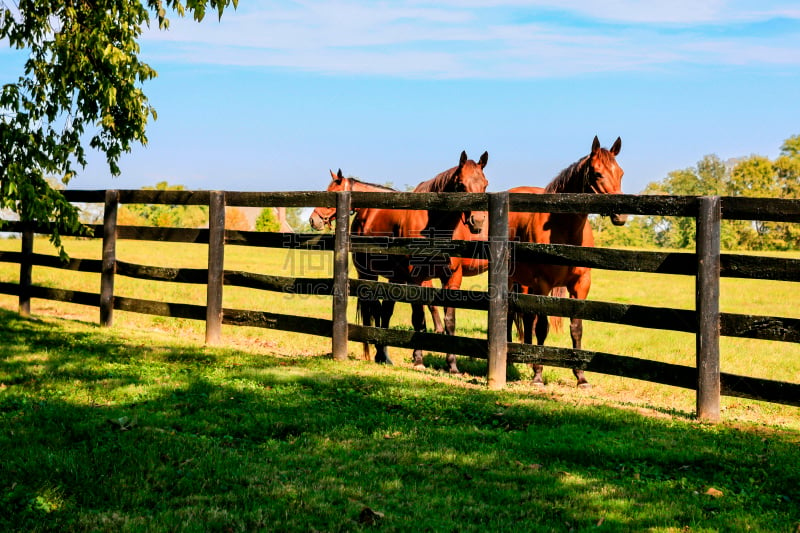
[469, 177]
[321, 216]
[603, 175]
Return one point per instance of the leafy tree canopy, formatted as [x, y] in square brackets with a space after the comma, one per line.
[81, 89]
[753, 176]
[163, 215]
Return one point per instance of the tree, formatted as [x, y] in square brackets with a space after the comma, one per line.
[235, 219]
[267, 221]
[163, 215]
[81, 88]
[709, 177]
[295, 219]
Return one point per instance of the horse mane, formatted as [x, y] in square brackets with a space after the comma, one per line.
[576, 174]
[565, 178]
[375, 185]
[438, 183]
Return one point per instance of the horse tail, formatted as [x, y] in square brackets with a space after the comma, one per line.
[556, 321]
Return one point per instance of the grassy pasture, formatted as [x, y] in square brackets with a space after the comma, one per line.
[142, 428]
[765, 359]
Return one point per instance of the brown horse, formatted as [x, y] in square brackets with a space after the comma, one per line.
[322, 217]
[414, 269]
[470, 266]
[596, 173]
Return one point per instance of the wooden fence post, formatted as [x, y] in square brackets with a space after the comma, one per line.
[216, 261]
[26, 270]
[109, 263]
[498, 289]
[707, 304]
[340, 275]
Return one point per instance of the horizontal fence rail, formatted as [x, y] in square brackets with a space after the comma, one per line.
[339, 286]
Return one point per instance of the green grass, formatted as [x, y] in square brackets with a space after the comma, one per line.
[124, 429]
[764, 359]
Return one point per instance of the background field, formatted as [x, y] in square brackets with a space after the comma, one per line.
[765, 359]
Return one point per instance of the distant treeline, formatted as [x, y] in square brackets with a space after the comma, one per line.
[754, 176]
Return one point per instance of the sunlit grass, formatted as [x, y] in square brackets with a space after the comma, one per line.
[764, 359]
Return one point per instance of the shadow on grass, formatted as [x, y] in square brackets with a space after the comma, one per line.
[190, 439]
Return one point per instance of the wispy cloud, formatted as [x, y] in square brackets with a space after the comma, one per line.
[486, 39]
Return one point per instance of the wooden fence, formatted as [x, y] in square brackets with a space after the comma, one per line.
[707, 264]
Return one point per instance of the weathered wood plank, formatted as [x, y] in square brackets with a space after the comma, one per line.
[151, 307]
[764, 209]
[281, 199]
[74, 263]
[261, 319]
[759, 267]
[86, 197]
[604, 258]
[11, 289]
[291, 285]
[11, 257]
[197, 276]
[631, 315]
[707, 304]
[26, 271]
[498, 296]
[604, 363]
[435, 342]
[420, 247]
[460, 298]
[760, 389]
[141, 196]
[341, 265]
[289, 241]
[604, 204]
[109, 261]
[216, 265]
[148, 233]
[63, 295]
[451, 201]
[771, 328]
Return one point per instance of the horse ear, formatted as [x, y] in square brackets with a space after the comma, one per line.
[484, 159]
[616, 147]
[595, 144]
[463, 158]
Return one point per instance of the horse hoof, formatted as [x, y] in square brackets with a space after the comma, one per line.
[585, 385]
[538, 384]
[419, 367]
[454, 371]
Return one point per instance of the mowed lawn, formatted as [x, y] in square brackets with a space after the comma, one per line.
[763, 359]
[140, 427]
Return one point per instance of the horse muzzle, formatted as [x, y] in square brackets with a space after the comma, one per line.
[317, 222]
[618, 220]
[475, 222]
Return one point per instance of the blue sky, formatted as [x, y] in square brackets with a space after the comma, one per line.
[278, 92]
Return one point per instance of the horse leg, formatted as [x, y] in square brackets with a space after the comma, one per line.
[542, 328]
[576, 332]
[434, 311]
[580, 290]
[453, 281]
[438, 327]
[450, 329]
[364, 310]
[418, 323]
[384, 311]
